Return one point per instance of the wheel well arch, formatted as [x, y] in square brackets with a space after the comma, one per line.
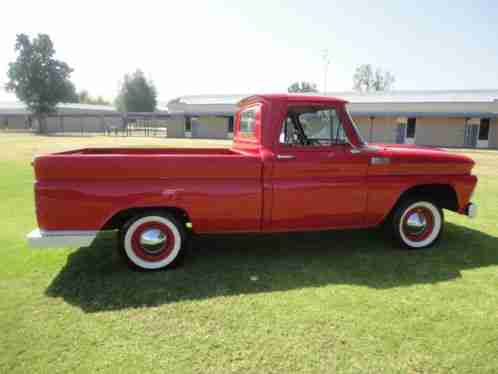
[118, 219]
[444, 195]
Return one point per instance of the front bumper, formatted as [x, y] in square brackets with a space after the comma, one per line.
[60, 239]
[471, 210]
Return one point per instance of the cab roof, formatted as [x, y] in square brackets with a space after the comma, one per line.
[290, 97]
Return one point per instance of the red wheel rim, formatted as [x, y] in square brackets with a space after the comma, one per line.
[418, 224]
[142, 252]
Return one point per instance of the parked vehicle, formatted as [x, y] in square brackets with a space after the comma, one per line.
[297, 163]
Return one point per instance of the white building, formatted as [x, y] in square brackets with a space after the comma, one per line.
[460, 118]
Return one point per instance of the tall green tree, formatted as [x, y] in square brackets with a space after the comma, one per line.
[85, 98]
[302, 87]
[366, 79]
[38, 79]
[71, 96]
[137, 94]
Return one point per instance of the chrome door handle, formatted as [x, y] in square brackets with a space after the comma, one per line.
[285, 157]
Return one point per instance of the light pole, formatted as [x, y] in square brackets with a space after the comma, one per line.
[326, 62]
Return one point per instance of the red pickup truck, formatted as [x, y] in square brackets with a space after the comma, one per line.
[297, 163]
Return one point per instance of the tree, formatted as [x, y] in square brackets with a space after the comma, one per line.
[71, 94]
[38, 79]
[365, 79]
[136, 94]
[302, 87]
[85, 98]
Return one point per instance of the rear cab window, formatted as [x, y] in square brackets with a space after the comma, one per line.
[248, 124]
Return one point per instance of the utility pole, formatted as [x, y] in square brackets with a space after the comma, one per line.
[326, 63]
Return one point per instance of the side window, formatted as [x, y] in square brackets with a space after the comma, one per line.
[312, 127]
[289, 133]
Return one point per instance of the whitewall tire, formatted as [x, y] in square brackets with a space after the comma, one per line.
[417, 223]
[153, 241]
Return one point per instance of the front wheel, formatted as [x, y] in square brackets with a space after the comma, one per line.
[417, 223]
[153, 241]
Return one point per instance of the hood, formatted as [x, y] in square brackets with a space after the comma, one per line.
[413, 159]
[407, 146]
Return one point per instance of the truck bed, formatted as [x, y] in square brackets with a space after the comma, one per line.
[82, 189]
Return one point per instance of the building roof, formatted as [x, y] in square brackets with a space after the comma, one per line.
[208, 99]
[431, 96]
[18, 108]
[405, 96]
[394, 103]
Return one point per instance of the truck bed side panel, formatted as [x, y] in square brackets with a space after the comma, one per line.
[219, 193]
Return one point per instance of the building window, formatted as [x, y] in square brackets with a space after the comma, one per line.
[484, 129]
[411, 127]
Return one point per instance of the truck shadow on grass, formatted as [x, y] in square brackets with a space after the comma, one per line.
[95, 278]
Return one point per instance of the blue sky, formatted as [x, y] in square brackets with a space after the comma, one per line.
[202, 47]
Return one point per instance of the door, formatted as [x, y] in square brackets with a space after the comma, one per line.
[471, 135]
[401, 133]
[411, 127]
[405, 132]
[317, 182]
[483, 137]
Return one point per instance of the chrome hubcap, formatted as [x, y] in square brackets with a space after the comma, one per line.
[153, 241]
[416, 224]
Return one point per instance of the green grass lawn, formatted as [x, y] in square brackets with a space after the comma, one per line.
[315, 302]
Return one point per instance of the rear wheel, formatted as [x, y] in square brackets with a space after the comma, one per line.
[153, 241]
[417, 223]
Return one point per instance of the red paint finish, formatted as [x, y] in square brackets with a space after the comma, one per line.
[319, 188]
[246, 188]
